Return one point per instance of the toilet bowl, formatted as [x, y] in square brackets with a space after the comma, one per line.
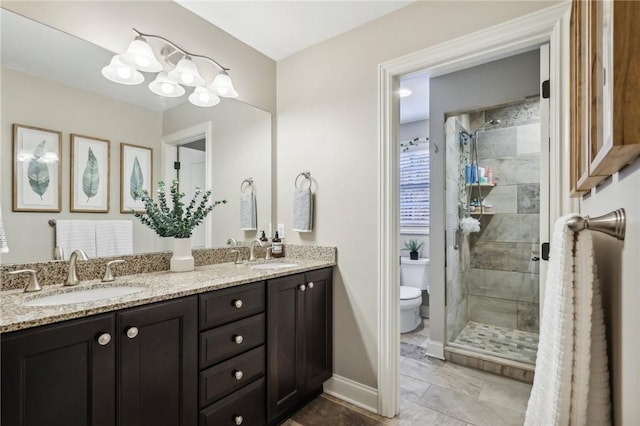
[414, 279]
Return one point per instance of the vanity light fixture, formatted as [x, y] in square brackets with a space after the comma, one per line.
[125, 69]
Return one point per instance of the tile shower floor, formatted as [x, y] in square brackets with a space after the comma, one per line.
[432, 392]
[501, 341]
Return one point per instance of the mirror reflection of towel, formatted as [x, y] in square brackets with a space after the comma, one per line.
[302, 210]
[76, 234]
[248, 212]
[114, 238]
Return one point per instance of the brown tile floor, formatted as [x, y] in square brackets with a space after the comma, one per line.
[432, 392]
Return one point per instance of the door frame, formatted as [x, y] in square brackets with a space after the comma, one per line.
[169, 155]
[506, 39]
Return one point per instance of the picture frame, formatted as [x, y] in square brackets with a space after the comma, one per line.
[37, 169]
[90, 174]
[136, 173]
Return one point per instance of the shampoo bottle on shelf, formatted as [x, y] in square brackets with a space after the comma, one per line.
[489, 176]
[277, 246]
[467, 172]
[474, 172]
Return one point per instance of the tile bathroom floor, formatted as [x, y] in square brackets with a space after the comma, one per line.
[432, 392]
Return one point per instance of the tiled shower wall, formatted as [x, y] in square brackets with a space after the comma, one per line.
[503, 280]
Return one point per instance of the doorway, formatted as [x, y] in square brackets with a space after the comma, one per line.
[494, 43]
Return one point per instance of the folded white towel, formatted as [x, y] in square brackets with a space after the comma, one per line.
[76, 234]
[248, 212]
[114, 237]
[4, 248]
[303, 210]
[571, 371]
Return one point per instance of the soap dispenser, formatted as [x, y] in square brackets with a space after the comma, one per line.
[277, 246]
[263, 237]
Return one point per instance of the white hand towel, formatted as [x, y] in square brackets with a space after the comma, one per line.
[76, 234]
[114, 237]
[248, 212]
[303, 210]
[4, 248]
[571, 377]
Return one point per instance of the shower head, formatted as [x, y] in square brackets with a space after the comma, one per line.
[486, 123]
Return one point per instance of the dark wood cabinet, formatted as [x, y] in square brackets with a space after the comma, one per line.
[60, 375]
[299, 321]
[65, 374]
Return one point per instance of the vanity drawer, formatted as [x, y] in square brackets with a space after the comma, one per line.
[223, 342]
[244, 407]
[223, 306]
[224, 378]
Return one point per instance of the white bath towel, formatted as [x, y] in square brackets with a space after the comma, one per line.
[76, 234]
[303, 210]
[4, 247]
[571, 339]
[114, 237]
[248, 212]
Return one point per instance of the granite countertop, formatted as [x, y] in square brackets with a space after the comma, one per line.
[157, 286]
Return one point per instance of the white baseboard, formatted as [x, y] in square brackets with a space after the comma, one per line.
[435, 349]
[355, 393]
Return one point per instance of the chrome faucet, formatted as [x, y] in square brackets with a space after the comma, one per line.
[252, 255]
[72, 278]
[233, 242]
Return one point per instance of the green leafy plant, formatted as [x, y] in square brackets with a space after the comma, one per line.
[175, 221]
[413, 245]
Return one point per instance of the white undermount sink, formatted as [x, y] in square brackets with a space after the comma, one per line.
[82, 296]
[273, 265]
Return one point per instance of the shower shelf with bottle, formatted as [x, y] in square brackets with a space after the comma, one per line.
[475, 208]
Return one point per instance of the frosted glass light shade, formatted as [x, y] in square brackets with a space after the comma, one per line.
[223, 86]
[204, 97]
[119, 72]
[186, 73]
[166, 87]
[140, 56]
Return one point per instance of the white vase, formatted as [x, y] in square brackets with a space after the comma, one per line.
[182, 259]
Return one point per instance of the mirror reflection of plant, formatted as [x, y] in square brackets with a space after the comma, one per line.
[175, 221]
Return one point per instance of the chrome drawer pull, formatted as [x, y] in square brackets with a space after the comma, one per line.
[238, 374]
[238, 420]
[104, 339]
[310, 284]
[238, 338]
[132, 332]
[303, 287]
[237, 303]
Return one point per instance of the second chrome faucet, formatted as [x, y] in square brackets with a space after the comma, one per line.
[72, 278]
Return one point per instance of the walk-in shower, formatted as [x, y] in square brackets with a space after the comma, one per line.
[492, 220]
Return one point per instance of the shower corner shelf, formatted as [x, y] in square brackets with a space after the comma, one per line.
[482, 185]
[478, 213]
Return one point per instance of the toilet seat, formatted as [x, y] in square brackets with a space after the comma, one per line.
[408, 293]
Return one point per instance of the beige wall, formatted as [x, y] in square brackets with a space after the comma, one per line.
[35, 102]
[619, 271]
[327, 124]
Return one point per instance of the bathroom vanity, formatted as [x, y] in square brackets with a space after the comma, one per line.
[224, 345]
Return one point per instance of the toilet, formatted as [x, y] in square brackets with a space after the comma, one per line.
[414, 279]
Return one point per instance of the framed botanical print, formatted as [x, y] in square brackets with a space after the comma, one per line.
[90, 174]
[136, 174]
[37, 169]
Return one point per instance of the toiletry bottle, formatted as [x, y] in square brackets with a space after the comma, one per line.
[489, 175]
[277, 246]
[263, 237]
[467, 173]
[474, 172]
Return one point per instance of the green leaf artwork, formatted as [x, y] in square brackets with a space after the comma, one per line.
[38, 172]
[137, 179]
[91, 177]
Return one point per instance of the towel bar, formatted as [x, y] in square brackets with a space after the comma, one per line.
[307, 175]
[613, 223]
[52, 222]
[247, 180]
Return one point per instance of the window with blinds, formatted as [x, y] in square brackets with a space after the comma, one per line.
[414, 188]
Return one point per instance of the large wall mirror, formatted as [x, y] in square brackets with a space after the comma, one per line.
[51, 80]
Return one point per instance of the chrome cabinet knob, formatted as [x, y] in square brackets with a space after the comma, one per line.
[303, 287]
[132, 332]
[238, 374]
[237, 303]
[238, 420]
[104, 339]
[310, 284]
[238, 338]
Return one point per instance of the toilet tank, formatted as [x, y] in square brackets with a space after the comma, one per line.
[414, 273]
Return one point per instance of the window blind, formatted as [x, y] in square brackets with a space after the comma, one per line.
[414, 188]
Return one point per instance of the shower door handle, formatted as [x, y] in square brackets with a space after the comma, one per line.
[535, 258]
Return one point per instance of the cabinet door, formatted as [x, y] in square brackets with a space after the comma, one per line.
[285, 344]
[158, 364]
[60, 374]
[318, 325]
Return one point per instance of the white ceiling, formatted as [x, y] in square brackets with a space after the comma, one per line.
[416, 106]
[281, 28]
